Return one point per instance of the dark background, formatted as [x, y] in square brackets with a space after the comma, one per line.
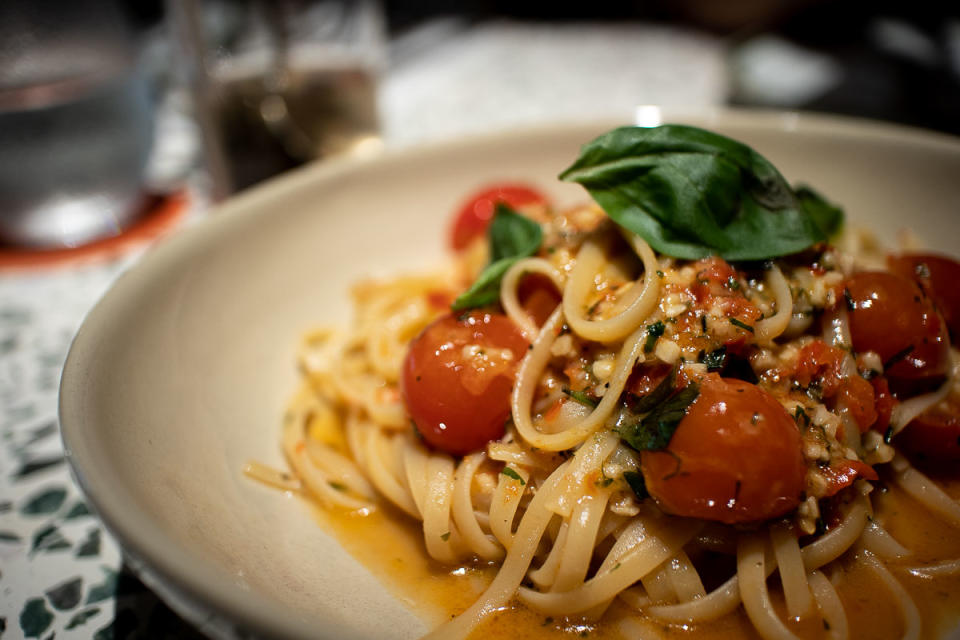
[880, 79]
[917, 85]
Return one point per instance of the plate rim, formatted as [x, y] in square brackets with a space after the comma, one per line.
[172, 569]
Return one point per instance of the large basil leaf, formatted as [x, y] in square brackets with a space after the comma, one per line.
[512, 237]
[692, 193]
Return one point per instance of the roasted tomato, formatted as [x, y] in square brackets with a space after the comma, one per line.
[934, 434]
[842, 473]
[474, 217]
[457, 377]
[938, 276]
[891, 316]
[736, 456]
[822, 364]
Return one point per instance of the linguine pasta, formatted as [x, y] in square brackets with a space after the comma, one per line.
[558, 504]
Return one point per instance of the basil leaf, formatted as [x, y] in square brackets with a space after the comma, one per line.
[654, 431]
[512, 237]
[660, 393]
[826, 216]
[691, 193]
[637, 483]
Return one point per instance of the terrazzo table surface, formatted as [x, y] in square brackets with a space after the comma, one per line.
[61, 574]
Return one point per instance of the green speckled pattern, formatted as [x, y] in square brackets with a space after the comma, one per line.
[61, 574]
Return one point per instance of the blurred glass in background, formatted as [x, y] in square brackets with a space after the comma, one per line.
[277, 84]
[76, 122]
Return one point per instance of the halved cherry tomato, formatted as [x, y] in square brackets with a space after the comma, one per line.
[842, 473]
[884, 403]
[717, 285]
[474, 217]
[821, 363]
[892, 317]
[457, 377]
[938, 275]
[934, 434]
[736, 456]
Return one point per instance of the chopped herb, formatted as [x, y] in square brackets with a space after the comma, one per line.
[510, 473]
[604, 482]
[339, 486]
[416, 431]
[821, 526]
[851, 305]
[732, 283]
[898, 356]
[743, 325]
[654, 431]
[659, 273]
[755, 419]
[801, 418]
[716, 359]
[654, 331]
[637, 483]
[869, 374]
[445, 536]
[888, 434]
[660, 393]
[580, 396]
[615, 567]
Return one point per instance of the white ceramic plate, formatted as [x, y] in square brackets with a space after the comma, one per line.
[181, 373]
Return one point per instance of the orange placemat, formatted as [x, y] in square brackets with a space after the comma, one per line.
[161, 215]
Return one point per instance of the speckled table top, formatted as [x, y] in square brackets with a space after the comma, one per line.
[61, 574]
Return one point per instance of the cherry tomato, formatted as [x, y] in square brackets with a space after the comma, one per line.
[457, 377]
[938, 276]
[819, 362]
[842, 473]
[718, 285]
[891, 316]
[934, 434]
[474, 217]
[884, 403]
[736, 456]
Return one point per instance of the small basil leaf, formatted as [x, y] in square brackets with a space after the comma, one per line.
[512, 237]
[654, 431]
[692, 193]
[486, 288]
[637, 483]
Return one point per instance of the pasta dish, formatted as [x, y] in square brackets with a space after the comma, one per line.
[695, 396]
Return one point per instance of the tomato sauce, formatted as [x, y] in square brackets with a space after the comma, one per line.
[390, 545]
